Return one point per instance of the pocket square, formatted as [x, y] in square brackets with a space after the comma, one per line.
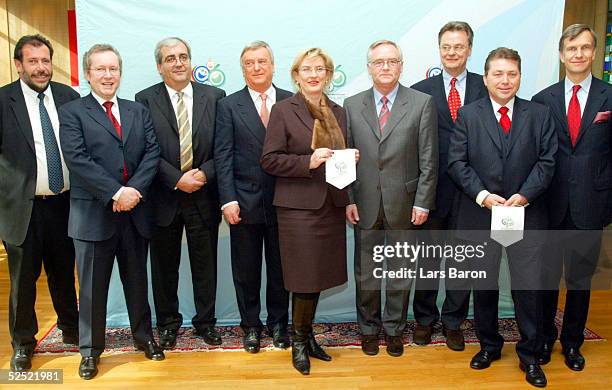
[602, 117]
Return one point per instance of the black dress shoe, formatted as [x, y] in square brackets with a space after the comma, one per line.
[167, 338]
[70, 338]
[422, 334]
[210, 335]
[152, 350]
[22, 359]
[454, 339]
[574, 359]
[88, 367]
[545, 355]
[395, 345]
[533, 374]
[369, 344]
[483, 359]
[280, 337]
[251, 340]
[315, 350]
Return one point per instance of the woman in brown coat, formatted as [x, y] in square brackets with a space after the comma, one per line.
[302, 133]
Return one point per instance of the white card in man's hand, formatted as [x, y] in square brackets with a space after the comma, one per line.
[340, 168]
[507, 224]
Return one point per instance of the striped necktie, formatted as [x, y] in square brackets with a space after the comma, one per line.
[184, 134]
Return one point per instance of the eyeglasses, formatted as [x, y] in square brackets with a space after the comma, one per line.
[392, 63]
[101, 71]
[457, 48]
[171, 60]
[310, 69]
[262, 62]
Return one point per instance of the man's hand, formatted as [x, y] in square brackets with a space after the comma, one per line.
[231, 214]
[419, 217]
[191, 181]
[516, 200]
[319, 156]
[352, 215]
[128, 199]
[200, 176]
[493, 200]
[357, 156]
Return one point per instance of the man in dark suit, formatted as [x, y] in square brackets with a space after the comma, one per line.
[395, 130]
[502, 154]
[580, 195]
[184, 194]
[246, 194]
[451, 89]
[112, 154]
[34, 197]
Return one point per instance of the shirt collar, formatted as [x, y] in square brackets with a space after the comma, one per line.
[32, 93]
[187, 91]
[497, 106]
[584, 84]
[391, 95]
[101, 101]
[447, 77]
[270, 93]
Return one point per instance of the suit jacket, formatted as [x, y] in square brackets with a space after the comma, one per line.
[286, 155]
[446, 192]
[239, 138]
[18, 159]
[479, 160]
[164, 197]
[583, 176]
[401, 166]
[95, 156]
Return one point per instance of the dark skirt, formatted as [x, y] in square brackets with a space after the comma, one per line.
[313, 247]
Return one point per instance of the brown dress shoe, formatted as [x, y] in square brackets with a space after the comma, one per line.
[395, 345]
[454, 339]
[369, 344]
[422, 334]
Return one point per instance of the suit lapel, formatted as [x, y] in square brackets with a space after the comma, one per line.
[490, 122]
[200, 101]
[127, 119]
[518, 118]
[299, 106]
[18, 105]
[398, 111]
[369, 113]
[249, 115]
[439, 95]
[96, 112]
[471, 88]
[164, 105]
[595, 100]
[558, 106]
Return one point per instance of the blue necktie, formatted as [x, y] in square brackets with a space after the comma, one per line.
[54, 160]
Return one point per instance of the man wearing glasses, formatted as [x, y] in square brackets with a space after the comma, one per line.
[395, 130]
[246, 194]
[452, 89]
[184, 194]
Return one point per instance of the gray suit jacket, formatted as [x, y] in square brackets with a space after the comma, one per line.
[399, 167]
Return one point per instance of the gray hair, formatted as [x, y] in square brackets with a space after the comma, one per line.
[256, 45]
[97, 48]
[384, 42]
[571, 32]
[169, 42]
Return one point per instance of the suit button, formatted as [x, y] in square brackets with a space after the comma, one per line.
[121, 146]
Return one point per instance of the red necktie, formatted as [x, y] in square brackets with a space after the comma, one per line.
[573, 116]
[109, 113]
[454, 100]
[504, 121]
[384, 113]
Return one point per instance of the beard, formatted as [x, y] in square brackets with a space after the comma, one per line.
[38, 87]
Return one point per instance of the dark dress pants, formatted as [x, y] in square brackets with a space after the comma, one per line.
[46, 244]
[247, 242]
[165, 260]
[95, 261]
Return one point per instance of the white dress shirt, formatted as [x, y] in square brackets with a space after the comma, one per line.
[187, 100]
[582, 94]
[459, 84]
[391, 99]
[32, 105]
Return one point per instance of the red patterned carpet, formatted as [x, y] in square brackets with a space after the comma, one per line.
[345, 334]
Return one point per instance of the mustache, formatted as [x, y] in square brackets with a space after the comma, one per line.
[41, 73]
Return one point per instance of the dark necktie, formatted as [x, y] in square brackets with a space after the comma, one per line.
[454, 100]
[384, 113]
[504, 121]
[54, 160]
[109, 113]
[573, 115]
